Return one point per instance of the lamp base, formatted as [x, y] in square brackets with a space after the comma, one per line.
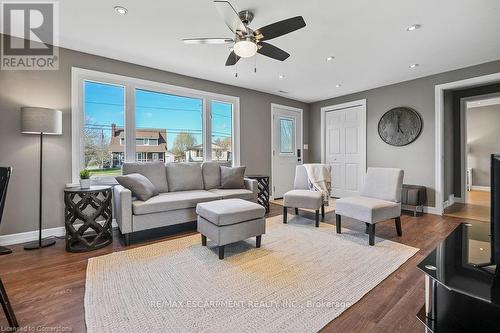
[36, 244]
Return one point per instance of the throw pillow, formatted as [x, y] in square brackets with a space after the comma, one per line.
[154, 171]
[211, 175]
[184, 176]
[141, 186]
[232, 177]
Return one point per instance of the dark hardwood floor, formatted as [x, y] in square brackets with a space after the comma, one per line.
[46, 287]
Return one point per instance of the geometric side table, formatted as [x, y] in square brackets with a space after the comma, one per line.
[84, 209]
[263, 186]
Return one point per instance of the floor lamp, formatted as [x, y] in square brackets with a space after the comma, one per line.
[40, 121]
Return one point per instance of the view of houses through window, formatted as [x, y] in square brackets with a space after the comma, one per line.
[169, 128]
[104, 106]
[222, 115]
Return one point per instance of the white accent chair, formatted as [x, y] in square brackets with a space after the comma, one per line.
[379, 200]
[302, 197]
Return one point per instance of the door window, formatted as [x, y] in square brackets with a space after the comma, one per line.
[287, 136]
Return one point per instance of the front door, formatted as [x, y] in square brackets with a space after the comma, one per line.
[287, 147]
[345, 149]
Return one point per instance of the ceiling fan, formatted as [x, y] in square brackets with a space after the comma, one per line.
[248, 42]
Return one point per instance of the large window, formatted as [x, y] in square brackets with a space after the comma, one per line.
[222, 131]
[176, 122]
[118, 119]
[103, 129]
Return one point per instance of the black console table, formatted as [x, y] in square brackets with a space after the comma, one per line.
[459, 296]
[263, 195]
[88, 207]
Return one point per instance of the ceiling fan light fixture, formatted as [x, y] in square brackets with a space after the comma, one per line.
[413, 27]
[121, 10]
[245, 48]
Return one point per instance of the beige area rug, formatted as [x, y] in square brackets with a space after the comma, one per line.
[298, 281]
[328, 209]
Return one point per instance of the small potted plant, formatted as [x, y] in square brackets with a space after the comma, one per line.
[85, 178]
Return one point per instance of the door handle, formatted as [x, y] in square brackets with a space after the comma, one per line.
[298, 155]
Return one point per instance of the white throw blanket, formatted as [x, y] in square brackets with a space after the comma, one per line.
[319, 179]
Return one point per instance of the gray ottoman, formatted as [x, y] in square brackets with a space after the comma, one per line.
[229, 221]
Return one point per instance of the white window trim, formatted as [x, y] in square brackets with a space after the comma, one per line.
[78, 75]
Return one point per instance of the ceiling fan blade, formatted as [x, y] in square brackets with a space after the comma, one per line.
[272, 51]
[207, 40]
[280, 28]
[230, 16]
[232, 59]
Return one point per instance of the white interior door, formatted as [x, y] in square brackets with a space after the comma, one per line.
[286, 147]
[345, 149]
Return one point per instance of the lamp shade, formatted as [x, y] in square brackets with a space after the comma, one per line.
[41, 120]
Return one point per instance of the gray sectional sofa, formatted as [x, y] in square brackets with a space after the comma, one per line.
[181, 185]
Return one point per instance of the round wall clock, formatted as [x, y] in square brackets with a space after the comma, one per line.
[400, 126]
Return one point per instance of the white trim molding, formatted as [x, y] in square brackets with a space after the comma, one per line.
[432, 210]
[439, 128]
[29, 236]
[79, 75]
[481, 188]
[301, 141]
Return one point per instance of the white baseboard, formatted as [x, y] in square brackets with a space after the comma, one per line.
[450, 202]
[29, 236]
[432, 210]
[459, 200]
[481, 188]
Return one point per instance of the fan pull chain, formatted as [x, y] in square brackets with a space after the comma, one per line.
[236, 73]
[255, 64]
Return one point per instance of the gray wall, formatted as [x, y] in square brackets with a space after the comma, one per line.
[483, 139]
[417, 159]
[53, 89]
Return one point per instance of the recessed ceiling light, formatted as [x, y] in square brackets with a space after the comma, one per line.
[121, 10]
[412, 66]
[338, 85]
[413, 27]
[330, 58]
[282, 76]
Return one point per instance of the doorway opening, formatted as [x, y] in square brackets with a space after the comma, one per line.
[480, 137]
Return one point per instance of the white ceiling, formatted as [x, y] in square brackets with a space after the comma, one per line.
[367, 37]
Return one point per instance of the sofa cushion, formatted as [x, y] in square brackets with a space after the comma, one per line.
[172, 201]
[303, 199]
[234, 193]
[140, 186]
[230, 211]
[232, 177]
[211, 175]
[154, 171]
[366, 209]
[184, 176]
